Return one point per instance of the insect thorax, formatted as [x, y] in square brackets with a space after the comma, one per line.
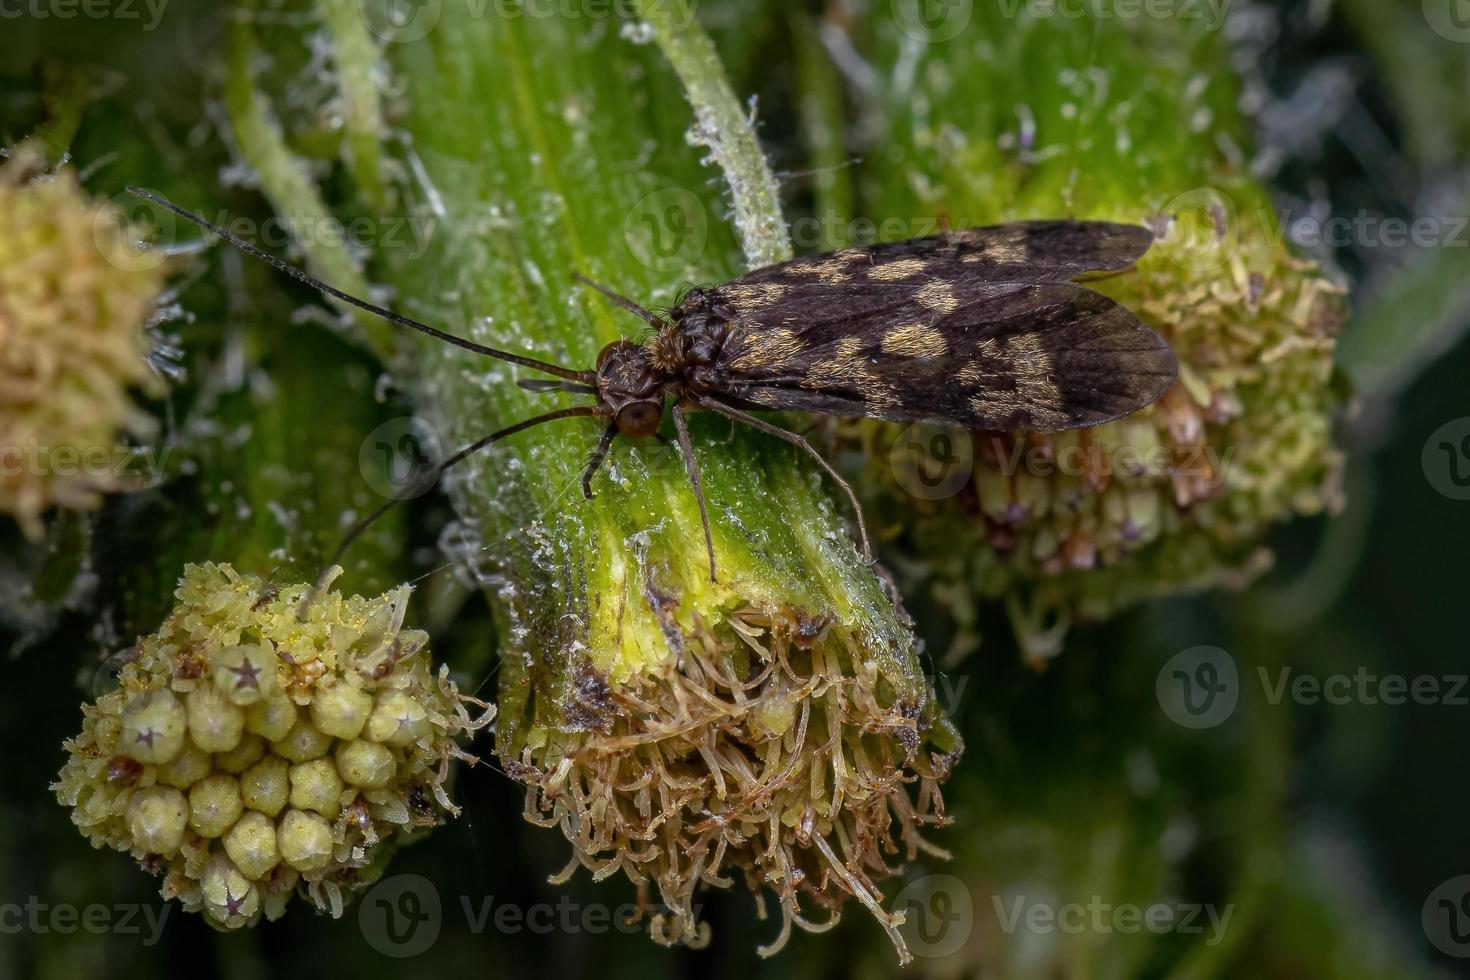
[695, 336]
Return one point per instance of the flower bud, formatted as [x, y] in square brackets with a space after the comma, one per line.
[244, 755]
[157, 817]
[397, 719]
[246, 674]
[153, 727]
[234, 832]
[214, 805]
[365, 764]
[229, 897]
[316, 786]
[305, 841]
[251, 844]
[303, 742]
[187, 768]
[341, 710]
[266, 786]
[215, 723]
[271, 719]
[74, 304]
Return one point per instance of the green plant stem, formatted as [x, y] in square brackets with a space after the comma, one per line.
[67, 94]
[537, 165]
[286, 184]
[359, 75]
[722, 125]
[823, 128]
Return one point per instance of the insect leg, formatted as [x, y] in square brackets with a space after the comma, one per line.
[692, 468]
[361, 526]
[598, 455]
[1099, 276]
[797, 440]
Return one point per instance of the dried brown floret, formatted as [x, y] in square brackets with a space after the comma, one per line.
[767, 749]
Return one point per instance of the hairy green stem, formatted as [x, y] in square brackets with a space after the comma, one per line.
[359, 76]
[722, 125]
[617, 649]
[286, 184]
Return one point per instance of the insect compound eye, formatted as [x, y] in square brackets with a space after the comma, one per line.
[640, 419]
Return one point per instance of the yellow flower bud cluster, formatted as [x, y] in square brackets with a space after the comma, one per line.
[1175, 498]
[74, 299]
[258, 747]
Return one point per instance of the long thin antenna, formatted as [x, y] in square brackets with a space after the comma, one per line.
[389, 315]
[546, 384]
[361, 526]
[618, 299]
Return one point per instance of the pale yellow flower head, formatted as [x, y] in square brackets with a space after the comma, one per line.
[258, 748]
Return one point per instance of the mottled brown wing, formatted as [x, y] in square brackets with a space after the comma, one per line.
[1038, 355]
[1023, 251]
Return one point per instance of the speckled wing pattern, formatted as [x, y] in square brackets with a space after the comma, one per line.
[982, 329]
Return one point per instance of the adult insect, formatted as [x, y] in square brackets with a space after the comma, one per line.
[978, 329]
